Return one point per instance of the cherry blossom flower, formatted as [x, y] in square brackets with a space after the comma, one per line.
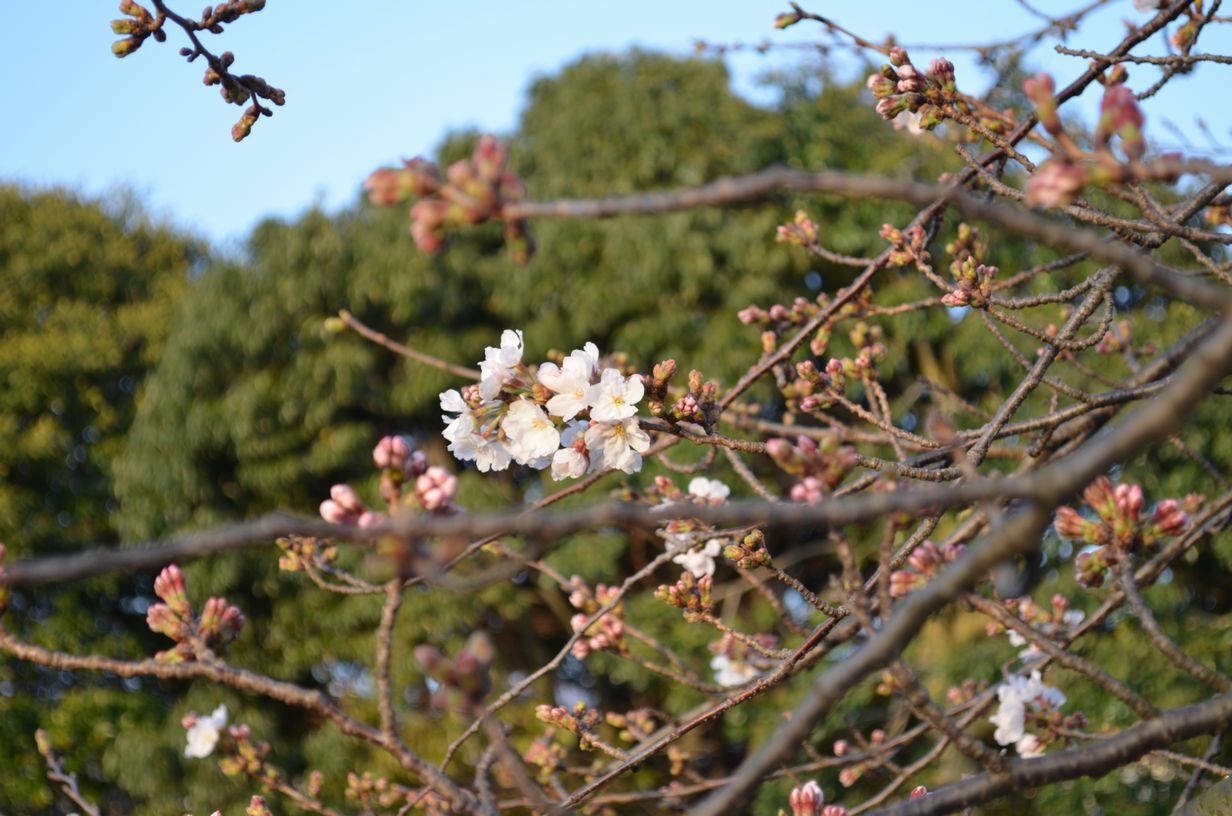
[570, 381]
[729, 672]
[571, 461]
[532, 435]
[700, 561]
[709, 491]
[1017, 695]
[499, 364]
[617, 445]
[203, 732]
[614, 397]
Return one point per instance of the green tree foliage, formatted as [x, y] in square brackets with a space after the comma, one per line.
[89, 289]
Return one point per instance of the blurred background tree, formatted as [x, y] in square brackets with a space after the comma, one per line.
[89, 289]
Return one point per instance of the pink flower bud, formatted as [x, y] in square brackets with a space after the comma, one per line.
[878, 737]
[436, 488]
[918, 791]
[1129, 501]
[1056, 183]
[1169, 518]
[903, 581]
[881, 86]
[392, 453]
[347, 498]
[750, 314]
[925, 558]
[809, 490]
[806, 799]
[849, 776]
[841, 747]
[834, 810]
[1100, 496]
[333, 513]
[170, 586]
[780, 450]
[1069, 524]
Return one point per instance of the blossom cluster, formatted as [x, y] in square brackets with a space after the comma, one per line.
[406, 478]
[900, 87]
[807, 800]
[575, 417]
[1062, 177]
[923, 563]
[1024, 700]
[1118, 526]
[195, 636]
[473, 191]
[605, 633]
[818, 464]
[1050, 622]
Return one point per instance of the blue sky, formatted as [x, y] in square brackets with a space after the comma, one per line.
[388, 79]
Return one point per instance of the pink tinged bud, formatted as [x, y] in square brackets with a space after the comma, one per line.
[490, 157]
[898, 56]
[892, 106]
[188, 720]
[436, 488]
[943, 71]
[162, 620]
[1056, 183]
[925, 558]
[367, 519]
[1119, 111]
[903, 581]
[750, 314]
[423, 178]
[392, 453]
[1169, 518]
[834, 810]
[1091, 568]
[387, 186]
[170, 586]
[881, 86]
[849, 776]
[780, 450]
[878, 737]
[809, 490]
[1100, 496]
[1039, 87]
[346, 498]
[1069, 524]
[806, 799]
[334, 513]
[918, 791]
[841, 747]
[1129, 501]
